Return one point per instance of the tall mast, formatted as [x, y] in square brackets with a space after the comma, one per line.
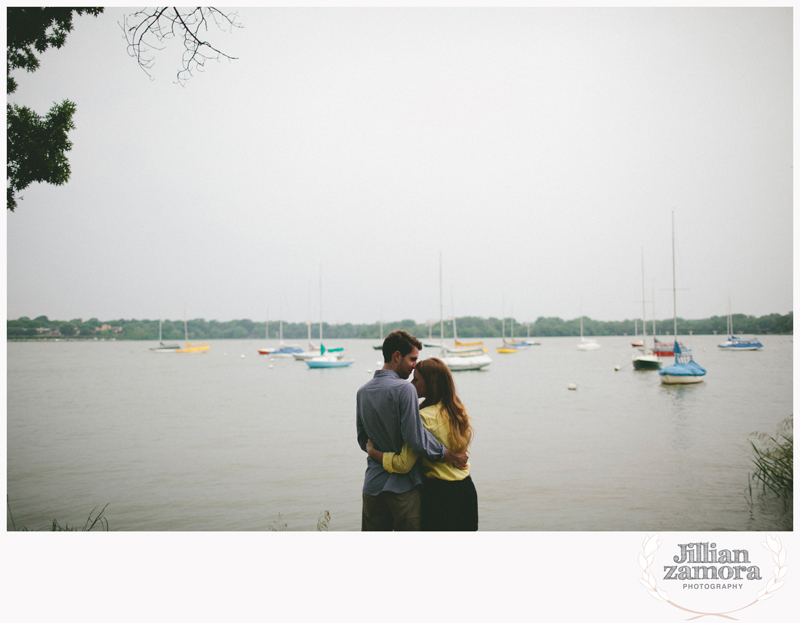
[644, 311]
[267, 323]
[441, 304]
[674, 304]
[308, 322]
[453, 307]
[281, 324]
[503, 321]
[320, 304]
[653, 302]
[730, 316]
[185, 327]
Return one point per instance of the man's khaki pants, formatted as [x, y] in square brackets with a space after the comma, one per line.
[391, 511]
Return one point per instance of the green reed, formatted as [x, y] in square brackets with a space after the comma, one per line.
[773, 459]
[101, 523]
[280, 525]
[98, 521]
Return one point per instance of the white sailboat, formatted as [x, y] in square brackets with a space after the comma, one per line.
[735, 343]
[313, 351]
[462, 362]
[646, 360]
[163, 348]
[461, 349]
[685, 370]
[586, 344]
[334, 357]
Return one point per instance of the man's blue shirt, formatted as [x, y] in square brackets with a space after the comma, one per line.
[387, 412]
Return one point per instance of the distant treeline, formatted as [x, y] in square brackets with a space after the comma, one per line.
[467, 327]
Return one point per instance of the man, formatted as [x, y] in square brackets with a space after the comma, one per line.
[387, 412]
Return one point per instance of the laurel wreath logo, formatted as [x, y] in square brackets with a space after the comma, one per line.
[648, 580]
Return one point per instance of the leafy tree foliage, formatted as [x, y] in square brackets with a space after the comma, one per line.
[36, 144]
[468, 327]
[67, 329]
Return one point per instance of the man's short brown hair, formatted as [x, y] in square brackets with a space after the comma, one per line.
[399, 340]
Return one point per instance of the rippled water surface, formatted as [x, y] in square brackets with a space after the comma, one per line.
[231, 440]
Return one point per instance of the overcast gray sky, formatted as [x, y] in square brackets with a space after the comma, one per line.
[538, 149]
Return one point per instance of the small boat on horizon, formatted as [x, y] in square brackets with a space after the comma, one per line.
[282, 350]
[191, 349]
[646, 360]
[508, 348]
[584, 343]
[735, 343]
[164, 348]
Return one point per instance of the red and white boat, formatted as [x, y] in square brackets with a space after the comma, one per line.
[665, 349]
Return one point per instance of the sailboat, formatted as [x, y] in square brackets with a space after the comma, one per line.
[328, 361]
[200, 347]
[334, 358]
[735, 343]
[313, 352]
[457, 361]
[637, 343]
[665, 349]
[163, 348]
[284, 351]
[514, 343]
[685, 370]
[645, 361]
[528, 339]
[265, 351]
[380, 346]
[506, 348]
[461, 349]
[586, 344]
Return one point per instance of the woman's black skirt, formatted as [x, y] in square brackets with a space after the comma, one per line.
[449, 504]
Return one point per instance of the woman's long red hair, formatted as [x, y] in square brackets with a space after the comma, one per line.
[440, 388]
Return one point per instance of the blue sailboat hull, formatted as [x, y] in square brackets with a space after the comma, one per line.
[737, 343]
[328, 364]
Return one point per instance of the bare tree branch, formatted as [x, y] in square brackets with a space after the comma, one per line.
[150, 30]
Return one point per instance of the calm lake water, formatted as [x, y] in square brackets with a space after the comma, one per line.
[231, 440]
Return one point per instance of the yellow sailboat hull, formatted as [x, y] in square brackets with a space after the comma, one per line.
[194, 348]
[469, 344]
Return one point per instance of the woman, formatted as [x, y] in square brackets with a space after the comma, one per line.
[449, 499]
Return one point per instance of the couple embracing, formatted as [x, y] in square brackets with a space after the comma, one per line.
[417, 474]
